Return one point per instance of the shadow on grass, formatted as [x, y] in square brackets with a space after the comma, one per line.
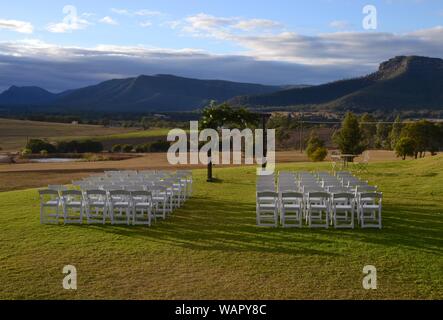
[208, 224]
[204, 224]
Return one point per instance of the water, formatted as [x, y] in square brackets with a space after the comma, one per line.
[54, 160]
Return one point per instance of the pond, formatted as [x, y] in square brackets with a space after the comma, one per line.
[54, 160]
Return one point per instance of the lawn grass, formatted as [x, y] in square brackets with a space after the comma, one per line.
[211, 248]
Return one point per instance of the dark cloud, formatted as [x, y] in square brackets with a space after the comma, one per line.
[85, 67]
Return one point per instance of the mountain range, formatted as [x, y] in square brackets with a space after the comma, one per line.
[403, 82]
[139, 94]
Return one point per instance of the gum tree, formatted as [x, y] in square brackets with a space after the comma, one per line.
[223, 116]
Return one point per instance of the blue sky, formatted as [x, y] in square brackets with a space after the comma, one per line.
[275, 42]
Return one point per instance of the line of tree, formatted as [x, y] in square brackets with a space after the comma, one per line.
[412, 139]
[72, 146]
[157, 146]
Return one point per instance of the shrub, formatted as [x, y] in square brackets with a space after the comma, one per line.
[26, 152]
[316, 150]
[319, 154]
[116, 148]
[37, 145]
[142, 148]
[127, 148]
[44, 152]
[82, 146]
[159, 146]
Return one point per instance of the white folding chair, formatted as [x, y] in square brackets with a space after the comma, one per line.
[120, 207]
[343, 206]
[73, 208]
[49, 206]
[267, 209]
[142, 208]
[369, 209]
[162, 201]
[318, 209]
[96, 206]
[291, 209]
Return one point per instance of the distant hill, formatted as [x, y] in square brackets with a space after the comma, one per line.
[404, 82]
[139, 94]
[17, 96]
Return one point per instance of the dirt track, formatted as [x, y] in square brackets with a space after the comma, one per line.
[30, 175]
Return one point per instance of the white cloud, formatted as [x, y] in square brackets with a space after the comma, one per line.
[145, 24]
[149, 13]
[368, 48]
[108, 20]
[224, 28]
[16, 25]
[340, 24]
[254, 24]
[120, 11]
[140, 12]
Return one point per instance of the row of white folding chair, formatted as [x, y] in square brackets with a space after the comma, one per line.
[179, 186]
[135, 207]
[319, 208]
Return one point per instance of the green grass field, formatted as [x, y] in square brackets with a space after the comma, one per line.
[158, 132]
[211, 248]
[15, 133]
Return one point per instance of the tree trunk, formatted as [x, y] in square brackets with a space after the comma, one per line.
[209, 167]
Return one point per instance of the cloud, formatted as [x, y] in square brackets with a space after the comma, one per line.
[254, 24]
[340, 24]
[108, 20]
[58, 68]
[140, 12]
[120, 11]
[205, 25]
[145, 24]
[322, 49]
[269, 58]
[149, 13]
[16, 25]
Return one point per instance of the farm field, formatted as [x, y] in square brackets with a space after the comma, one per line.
[211, 248]
[14, 133]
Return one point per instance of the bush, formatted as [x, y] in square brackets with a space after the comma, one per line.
[116, 148]
[127, 148]
[83, 146]
[44, 152]
[316, 150]
[26, 152]
[319, 154]
[159, 146]
[37, 145]
[141, 148]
